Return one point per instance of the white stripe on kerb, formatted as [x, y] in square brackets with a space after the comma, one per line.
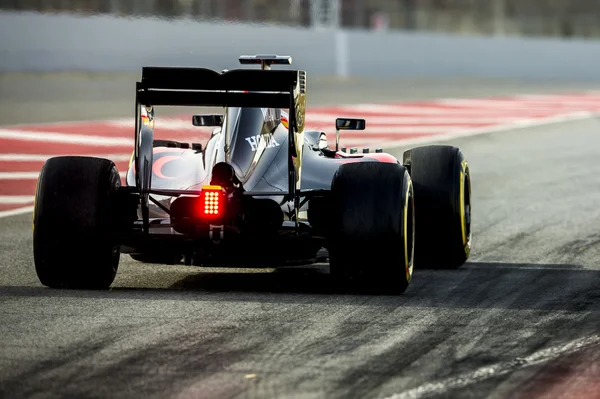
[401, 110]
[52, 137]
[18, 175]
[413, 120]
[14, 212]
[16, 199]
[30, 175]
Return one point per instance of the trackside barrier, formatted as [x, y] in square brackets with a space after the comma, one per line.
[60, 42]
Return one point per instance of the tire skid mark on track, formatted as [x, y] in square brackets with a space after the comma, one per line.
[24, 148]
[382, 353]
[498, 369]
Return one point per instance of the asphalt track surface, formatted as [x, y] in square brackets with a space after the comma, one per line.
[520, 319]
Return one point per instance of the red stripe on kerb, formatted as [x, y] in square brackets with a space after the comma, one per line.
[93, 128]
[21, 166]
[17, 187]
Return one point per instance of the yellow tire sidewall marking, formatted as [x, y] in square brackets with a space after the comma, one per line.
[406, 249]
[33, 213]
[463, 220]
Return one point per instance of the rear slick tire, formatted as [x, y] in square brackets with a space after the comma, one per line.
[442, 183]
[73, 221]
[372, 237]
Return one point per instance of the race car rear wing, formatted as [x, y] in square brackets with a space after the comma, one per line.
[205, 87]
[161, 86]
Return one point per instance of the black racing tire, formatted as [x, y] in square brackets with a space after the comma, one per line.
[372, 234]
[442, 184]
[72, 223]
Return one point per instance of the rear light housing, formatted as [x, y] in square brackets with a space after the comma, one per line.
[188, 213]
[212, 202]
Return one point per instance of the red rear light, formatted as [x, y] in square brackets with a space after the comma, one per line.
[212, 201]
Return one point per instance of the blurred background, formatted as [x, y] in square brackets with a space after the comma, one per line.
[551, 18]
[79, 59]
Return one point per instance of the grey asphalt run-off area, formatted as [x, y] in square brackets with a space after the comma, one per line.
[532, 284]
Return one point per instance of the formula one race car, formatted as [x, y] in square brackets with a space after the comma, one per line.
[263, 192]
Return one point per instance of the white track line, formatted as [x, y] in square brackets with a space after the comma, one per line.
[42, 157]
[18, 211]
[492, 129]
[404, 110]
[431, 120]
[19, 175]
[496, 370]
[434, 129]
[53, 137]
[15, 199]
